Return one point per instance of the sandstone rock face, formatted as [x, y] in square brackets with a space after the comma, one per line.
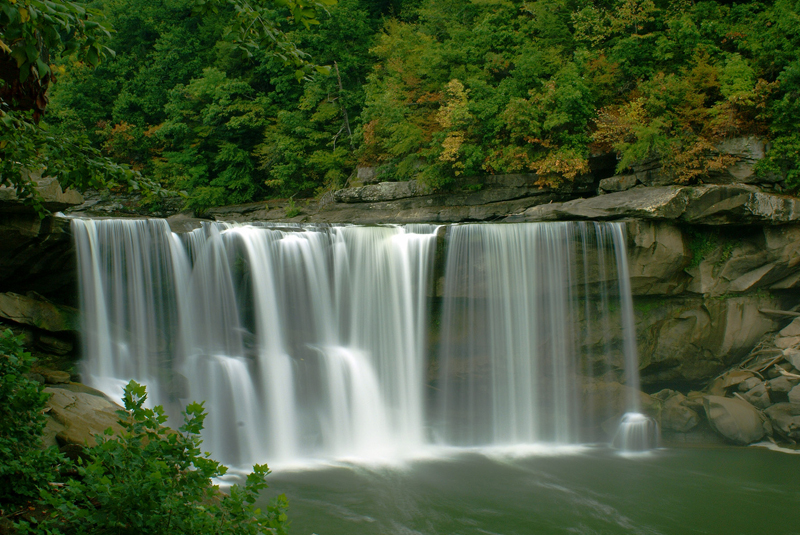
[617, 183]
[689, 339]
[77, 416]
[38, 313]
[383, 191]
[657, 258]
[735, 419]
[53, 197]
[702, 205]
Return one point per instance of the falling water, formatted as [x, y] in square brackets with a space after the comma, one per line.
[522, 307]
[313, 341]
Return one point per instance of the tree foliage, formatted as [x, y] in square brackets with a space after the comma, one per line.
[42, 38]
[432, 90]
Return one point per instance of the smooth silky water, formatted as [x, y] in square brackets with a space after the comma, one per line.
[411, 379]
[715, 491]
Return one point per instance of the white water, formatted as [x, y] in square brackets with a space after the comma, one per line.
[311, 342]
[518, 329]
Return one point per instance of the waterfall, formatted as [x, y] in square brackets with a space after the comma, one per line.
[321, 342]
[524, 306]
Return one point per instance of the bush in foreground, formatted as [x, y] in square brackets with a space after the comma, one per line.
[148, 479]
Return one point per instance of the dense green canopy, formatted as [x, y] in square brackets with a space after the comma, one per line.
[434, 89]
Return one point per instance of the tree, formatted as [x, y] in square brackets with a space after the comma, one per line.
[35, 32]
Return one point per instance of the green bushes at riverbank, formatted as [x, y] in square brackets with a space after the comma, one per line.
[147, 479]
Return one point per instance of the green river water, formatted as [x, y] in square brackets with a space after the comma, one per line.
[589, 490]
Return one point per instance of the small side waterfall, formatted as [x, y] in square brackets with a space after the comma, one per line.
[317, 342]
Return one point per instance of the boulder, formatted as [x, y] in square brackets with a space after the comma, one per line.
[689, 339]
[758, 396]
[676, 416]
[617, 183]
[748, 151]
[38, 312]
[782, 385]
[367, 175]
[78, 416]
[735, 419]
[784, 421]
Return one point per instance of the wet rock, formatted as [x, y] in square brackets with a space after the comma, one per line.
[53, 377]
[37, 312]
[758, 396]
[784, 421]
[794, 400]
[676, 416]
[735, 419]
[78, 416]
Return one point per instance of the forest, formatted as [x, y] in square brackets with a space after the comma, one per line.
[424, 89]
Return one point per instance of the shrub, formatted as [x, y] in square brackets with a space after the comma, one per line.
[152, 479]
[24, 465]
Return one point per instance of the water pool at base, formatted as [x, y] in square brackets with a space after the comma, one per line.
[672, 491]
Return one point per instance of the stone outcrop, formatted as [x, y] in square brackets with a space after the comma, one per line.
[76, 414]
[52, 196]
[735, 419]
[40, 313]
[699, 205]
[383, 191]
[488, 198]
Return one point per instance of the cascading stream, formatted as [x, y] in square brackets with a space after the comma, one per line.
[316, 342]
